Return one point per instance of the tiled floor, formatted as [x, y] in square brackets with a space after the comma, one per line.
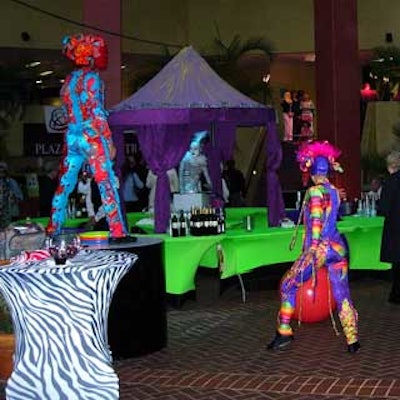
[216, 351]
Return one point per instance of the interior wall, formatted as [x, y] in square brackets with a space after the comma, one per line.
[45, 31]
[157, 20]
[375, 19]
[289, 25]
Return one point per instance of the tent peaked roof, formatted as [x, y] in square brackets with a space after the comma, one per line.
[187, 81]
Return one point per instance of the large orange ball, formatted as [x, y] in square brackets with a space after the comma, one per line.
[313, 303]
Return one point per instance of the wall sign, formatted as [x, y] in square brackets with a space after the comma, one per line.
[38, 142]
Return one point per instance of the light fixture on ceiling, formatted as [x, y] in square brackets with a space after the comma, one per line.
[45, 73]
[266, 78]
[39, 81]
[32, 64]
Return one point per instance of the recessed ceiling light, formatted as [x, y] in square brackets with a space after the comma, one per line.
[39, 81]
[32, 64]
[45, 73]
[123, 66]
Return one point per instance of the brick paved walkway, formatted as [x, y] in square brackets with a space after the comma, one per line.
[217, 352]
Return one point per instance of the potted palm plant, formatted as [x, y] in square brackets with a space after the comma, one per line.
[7, 341]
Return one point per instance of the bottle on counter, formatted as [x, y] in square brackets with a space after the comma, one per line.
[174, 225]
[182, 224]
[221, 221]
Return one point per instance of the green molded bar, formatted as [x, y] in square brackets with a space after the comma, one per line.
[244, 251]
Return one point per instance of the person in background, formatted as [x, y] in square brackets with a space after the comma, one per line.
[306, 132]
[151, 183]
[47, 187]
[296, 114]
[307, 112]
[323, 247]
[142, 170]
[288, 114]
[376, 188]
[10, 196]
[389, 207]
[31, 205]
[131, 184]
[236, 184]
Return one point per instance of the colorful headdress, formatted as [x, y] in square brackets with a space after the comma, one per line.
[318, 158]
[86, 50]
[198, 137]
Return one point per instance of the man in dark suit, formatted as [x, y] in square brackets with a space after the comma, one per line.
[389, 207]
[47, 187]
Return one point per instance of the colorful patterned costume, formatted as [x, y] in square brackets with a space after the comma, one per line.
[88, 136]
[323, 247]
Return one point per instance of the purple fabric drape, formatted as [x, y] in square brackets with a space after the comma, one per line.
[275, 203]
[219, 150]
[119, 143]
[163, 147]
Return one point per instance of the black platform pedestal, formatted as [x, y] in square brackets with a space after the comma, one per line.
[137, 322]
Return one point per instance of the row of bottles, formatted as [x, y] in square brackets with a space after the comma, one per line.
[197, 222]
[366, 206]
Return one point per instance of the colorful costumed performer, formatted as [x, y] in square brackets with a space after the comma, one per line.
[323, 247]
[88, 136]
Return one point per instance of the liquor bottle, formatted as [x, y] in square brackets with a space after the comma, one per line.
[214, 221]
[198, 224]
[182, 224]
[174, 226]
[206, 219]
[221, 221]
[191, 221]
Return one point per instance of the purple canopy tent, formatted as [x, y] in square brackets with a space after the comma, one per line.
[184, 97]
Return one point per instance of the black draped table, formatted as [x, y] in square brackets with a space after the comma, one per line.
[60, 320]
[137, 322]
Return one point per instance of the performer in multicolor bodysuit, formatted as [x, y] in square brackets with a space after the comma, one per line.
[88, 136]
[323, 247]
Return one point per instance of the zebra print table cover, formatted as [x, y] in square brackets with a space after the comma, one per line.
[60, 319]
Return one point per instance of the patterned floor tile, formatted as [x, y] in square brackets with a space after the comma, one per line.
[217, 351]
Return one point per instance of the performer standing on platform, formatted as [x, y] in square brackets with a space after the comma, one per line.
[323, 247]
[88, 136]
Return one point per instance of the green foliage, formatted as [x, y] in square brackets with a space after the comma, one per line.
[386, 62]
[15, 91]
[227, 63]
[372, 166]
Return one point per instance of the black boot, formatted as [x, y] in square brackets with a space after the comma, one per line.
[354, 347]
[280, 342]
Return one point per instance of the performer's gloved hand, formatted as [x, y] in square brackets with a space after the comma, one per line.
[319, 255]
